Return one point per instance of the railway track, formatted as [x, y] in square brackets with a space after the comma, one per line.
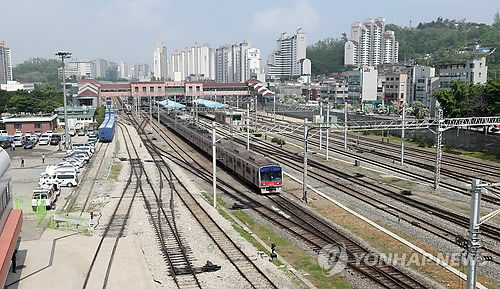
[116, 224]
[398, 169]
[84, 181]
[320, 171]
[451, 166]
[247, 268]
[306, 229]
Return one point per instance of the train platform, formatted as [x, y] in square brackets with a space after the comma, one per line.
[61, 260]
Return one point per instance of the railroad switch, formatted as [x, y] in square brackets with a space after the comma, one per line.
[210, 267]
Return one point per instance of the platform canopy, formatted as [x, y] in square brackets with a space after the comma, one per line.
[169, 104]
[209, 103]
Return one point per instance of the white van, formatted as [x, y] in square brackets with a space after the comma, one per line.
[67, 179]
[43, 196]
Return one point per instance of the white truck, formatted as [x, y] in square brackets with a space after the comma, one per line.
[43, 197]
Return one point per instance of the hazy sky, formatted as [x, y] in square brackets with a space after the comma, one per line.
[127, 30]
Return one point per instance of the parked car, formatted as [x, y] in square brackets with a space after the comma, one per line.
[5, 144]
[38, 133]
[81, 132]
[29, 145]
[49, 132]
[27, 133]
[44, 139]
[18, 133]
[72, 132]
[55, 139]
[3, 133]
[34, 139]
[18, 142]
[90, 131]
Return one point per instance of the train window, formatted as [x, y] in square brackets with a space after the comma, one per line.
[238, 163]
[248, 169]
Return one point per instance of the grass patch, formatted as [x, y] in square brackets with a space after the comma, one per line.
[220, 201]
[115, 170]
[297, 257]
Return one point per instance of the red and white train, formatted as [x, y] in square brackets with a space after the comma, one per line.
[259, 171]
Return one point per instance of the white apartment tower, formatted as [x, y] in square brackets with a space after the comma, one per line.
[124, 70]
[160, 62]
[253, 56]
[370, 44]
[5, 64]
[288, 57]
[195, 61]
[237, 62]
[98, 68]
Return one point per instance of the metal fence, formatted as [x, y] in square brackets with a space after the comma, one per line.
[51, 219]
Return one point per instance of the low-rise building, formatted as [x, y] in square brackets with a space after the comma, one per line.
[362, 85]
[472, 71]
[15, 85]
[30, 123]
[78, 117]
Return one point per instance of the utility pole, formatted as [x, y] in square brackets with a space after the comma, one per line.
[403, 135]
[439, 139]
[151, 112]
[214, 164]
[304, 180]
[321, 123]
[248, 126]
[175, 111]
[158, 102]
[474, 241]
[345, 126]
[274, 109]
[63, 55]
[328, 129]
[231, 123]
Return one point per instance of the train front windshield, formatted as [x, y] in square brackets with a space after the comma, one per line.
[270, 174]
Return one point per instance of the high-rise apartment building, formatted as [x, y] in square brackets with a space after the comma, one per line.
[124, 70]
[5, 64]
[98, 68]
[288, 58]
[370, 44]
[160, 62]
[253, 56]
[233, 62]
[196, 61]
[141, 72]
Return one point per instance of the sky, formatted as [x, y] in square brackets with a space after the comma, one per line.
[127, 30]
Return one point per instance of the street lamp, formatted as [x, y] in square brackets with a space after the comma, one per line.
[63, 55]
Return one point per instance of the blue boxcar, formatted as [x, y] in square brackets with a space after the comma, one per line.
[107, 128]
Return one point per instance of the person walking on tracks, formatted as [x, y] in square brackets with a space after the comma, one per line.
[43, 158]
[22, 163]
